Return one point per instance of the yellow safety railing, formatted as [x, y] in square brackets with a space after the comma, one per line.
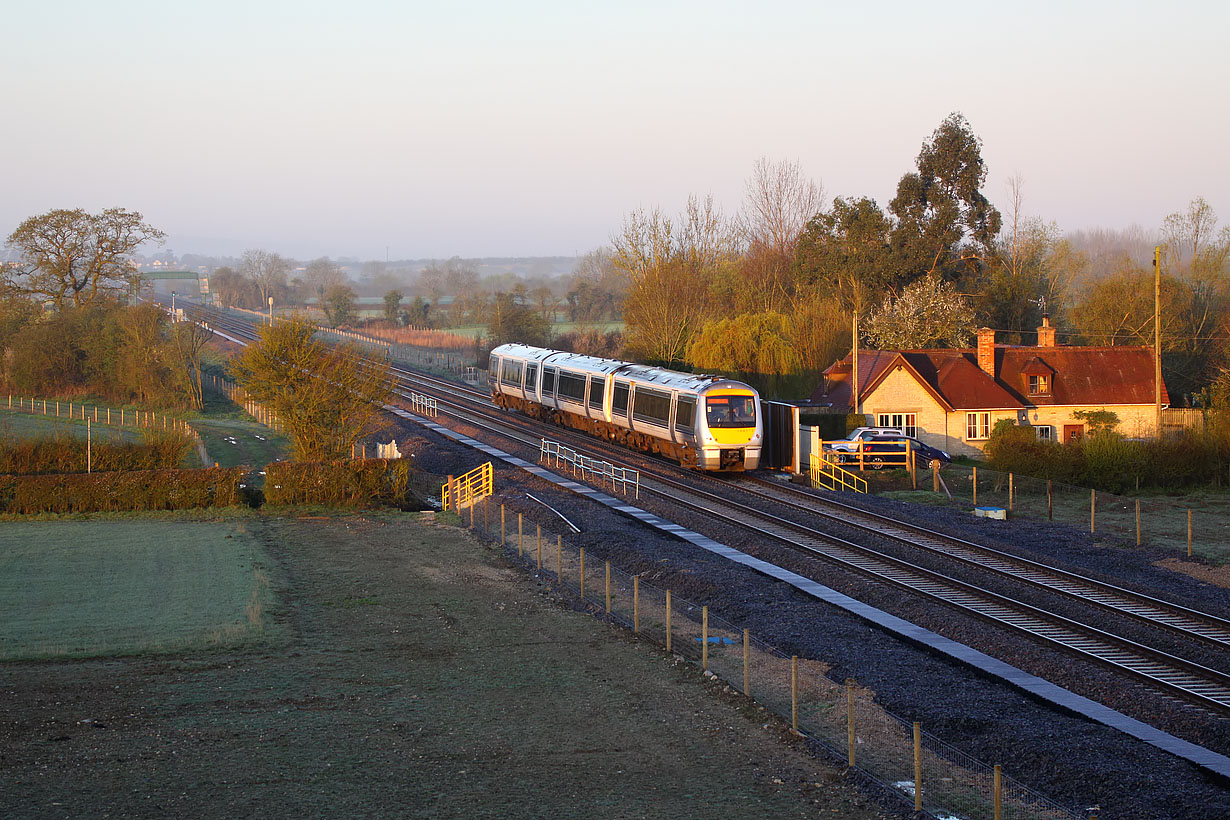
[825, 474]
[464, 490]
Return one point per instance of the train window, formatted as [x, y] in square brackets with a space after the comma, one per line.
[531, 377]
[730, 411]
[597, 386]
[571, 386]
[652, 406]
[685, 413]
[494, 368]
[619, 406]
[511, 373]
[548, 381]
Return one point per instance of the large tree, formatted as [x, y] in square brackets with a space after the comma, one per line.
[944, 223]
[326, 396]
[267, 271]
[845, 251]
[73, 258]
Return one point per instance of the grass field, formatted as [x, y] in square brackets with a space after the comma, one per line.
[95, 588]
[16, 426]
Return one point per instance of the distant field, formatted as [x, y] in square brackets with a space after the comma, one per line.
[15, 426]
[109, 587]
[233, 441]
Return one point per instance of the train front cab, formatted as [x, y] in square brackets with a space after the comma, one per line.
[731, 429]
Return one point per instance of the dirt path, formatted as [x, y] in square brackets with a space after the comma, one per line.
[422, 678]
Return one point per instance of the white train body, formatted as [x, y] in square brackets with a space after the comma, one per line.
[705, 422]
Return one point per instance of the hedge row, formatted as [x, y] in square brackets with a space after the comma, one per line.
[363, 483]
[67, 454]
[122, 491]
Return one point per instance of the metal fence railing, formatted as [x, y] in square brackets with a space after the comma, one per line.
[842, 717]
[592, 469]
[827, 474]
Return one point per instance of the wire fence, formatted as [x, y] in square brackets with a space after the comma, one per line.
[842, 717]
[1192, 529]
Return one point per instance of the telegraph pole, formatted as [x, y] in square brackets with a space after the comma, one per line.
[1157, 338]
[854, 387]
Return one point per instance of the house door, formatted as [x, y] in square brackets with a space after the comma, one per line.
[1073, 432]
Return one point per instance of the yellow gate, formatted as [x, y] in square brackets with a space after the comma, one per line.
[464, 490]
[825, 474]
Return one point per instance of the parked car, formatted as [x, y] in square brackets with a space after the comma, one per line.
[850, 443]
[890, 451]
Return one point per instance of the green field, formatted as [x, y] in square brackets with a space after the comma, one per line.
[234, 441]
[17, 426]
[110, 587]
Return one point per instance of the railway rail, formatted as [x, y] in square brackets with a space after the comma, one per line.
[1210, 688]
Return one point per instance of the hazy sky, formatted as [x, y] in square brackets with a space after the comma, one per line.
[531, 128]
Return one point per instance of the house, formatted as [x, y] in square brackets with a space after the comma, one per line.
[952, 399]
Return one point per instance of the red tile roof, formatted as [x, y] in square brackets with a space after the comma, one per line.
[1080, 376]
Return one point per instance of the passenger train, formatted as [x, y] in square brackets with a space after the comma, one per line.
[703, 422]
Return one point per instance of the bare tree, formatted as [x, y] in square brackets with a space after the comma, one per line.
[322, 274]
[267, 271]
[188, 340]
[779, 201]
[73, 258]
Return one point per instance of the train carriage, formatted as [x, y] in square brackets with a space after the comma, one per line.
[705, 422]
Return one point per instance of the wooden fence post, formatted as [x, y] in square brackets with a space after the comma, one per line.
[1050, 505]
[999, 793]
[608, 587]
[1011, 487]
[1138, 522]
[636, 603]
[794, 693]
[583, 575]
[975, 482]
[559, 556]
[917, 767]
[747, 662]
[1093, 506]
[1189, 533]
[850, 722]
[704, 639]
[503, 539]
[668, 620]
[521, 538]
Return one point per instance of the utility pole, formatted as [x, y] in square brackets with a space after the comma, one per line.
[854, 386]
[1157, 338]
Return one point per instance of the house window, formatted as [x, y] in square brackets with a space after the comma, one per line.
[905, 422]
[1044, 432]
[977, 426]
[1039, 385]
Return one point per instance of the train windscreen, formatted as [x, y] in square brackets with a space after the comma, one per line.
[730, 411]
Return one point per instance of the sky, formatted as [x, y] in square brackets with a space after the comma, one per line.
[413, 130]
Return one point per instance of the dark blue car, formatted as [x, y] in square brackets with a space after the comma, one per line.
[890, 451]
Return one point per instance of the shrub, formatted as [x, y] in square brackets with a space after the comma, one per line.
[363, 483]
[64, 453]
[122, 491]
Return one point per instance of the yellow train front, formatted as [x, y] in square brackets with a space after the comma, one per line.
[703, 422]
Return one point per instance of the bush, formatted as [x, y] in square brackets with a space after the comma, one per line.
[122, 491]
[67, 454]
[365, 483]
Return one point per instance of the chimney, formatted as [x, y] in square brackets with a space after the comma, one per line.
[986, 350]
[1046, 333]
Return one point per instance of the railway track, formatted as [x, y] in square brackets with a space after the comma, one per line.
[1210, 688]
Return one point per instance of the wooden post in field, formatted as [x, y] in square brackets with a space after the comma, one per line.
[704, 639]
[1138, 522]
[1093, 507]
[913, 465]
[998, 800]
[559, 556]
[850, 722]
[935, 475]
[975, 482]
[521, 539]
[917, 767]
[471, 513]
[582, 573]
[503, 540]
[1011, 487]
[747, 663]
[636, 603]
[794, 693]
[1050, 505]
[608, 587]
[1189, 533]
[668, 620]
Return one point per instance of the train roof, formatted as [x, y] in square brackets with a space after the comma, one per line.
[639, 373]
